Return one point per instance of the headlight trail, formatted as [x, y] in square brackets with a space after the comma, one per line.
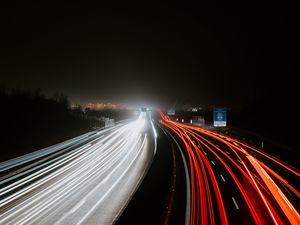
[77, 182]
[254, 194]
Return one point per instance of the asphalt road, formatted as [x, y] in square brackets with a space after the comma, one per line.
[149, 171]
[86, 180]
[162, 196]
[232, 182]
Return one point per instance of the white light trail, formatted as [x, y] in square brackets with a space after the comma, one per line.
[72, 188]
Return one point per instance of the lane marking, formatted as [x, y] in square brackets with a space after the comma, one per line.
[286, 189]
[256, 176]
[236, 205]
[213, 162]
[222, 178]
[205, 153]
[227, 152]
[77, 206]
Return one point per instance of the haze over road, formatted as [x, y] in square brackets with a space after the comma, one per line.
[86, 180]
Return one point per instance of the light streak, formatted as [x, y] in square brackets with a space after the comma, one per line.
[236, 158]
[79, 181]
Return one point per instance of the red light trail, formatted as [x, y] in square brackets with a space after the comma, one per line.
[254, 178]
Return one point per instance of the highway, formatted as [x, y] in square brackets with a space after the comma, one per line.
[232, 182]
[138, 172]
[86, 180]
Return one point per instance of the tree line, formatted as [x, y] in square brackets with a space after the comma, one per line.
[30, 121]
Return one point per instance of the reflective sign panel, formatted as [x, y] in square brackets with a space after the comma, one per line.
[220, 117]
[171, 112]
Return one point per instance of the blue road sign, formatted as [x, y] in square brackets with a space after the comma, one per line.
[220, 117]
[171, 112]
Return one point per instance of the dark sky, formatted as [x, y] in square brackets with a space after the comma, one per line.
[225, 52]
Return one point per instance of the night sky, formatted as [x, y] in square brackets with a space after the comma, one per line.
[225, 53]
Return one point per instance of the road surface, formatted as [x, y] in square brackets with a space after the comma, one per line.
[86, 180]
[162, 196]
[232, 182]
